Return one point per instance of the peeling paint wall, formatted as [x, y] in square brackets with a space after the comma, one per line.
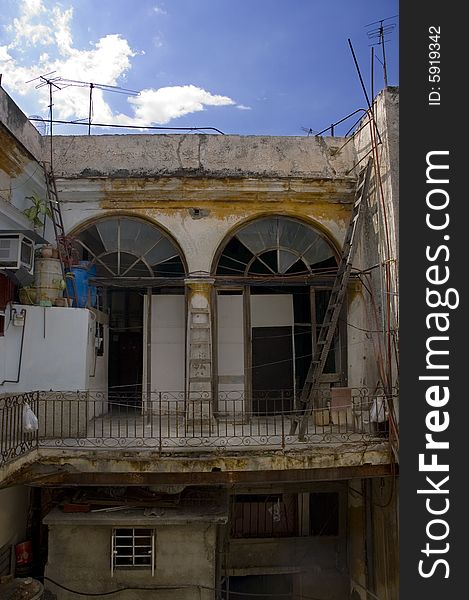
[21, 171]
[120, 156]
[379, 250]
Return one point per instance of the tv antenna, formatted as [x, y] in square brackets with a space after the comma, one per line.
[56, 83]
[308, 131]
[98, 86]
[52, 83]
[378, 36]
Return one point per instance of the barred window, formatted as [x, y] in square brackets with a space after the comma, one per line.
[133, 548]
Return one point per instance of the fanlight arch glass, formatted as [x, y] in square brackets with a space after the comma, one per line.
[130, 247]
[275, 246]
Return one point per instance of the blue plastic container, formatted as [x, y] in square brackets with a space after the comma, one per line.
[85, 291]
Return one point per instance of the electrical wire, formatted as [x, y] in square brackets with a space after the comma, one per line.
[139, 127]
[288, 595]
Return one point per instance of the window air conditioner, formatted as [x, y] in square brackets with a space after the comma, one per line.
[16, 251]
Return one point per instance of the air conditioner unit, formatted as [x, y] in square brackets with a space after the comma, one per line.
[16, 251]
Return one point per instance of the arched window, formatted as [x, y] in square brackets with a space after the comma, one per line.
[124, 246]
[285, 268]
[275, 246]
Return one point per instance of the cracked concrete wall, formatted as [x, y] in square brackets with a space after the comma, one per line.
[230, 179]
[119, 156]
[184, 556]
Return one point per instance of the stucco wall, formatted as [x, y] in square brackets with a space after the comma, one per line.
[185, 559]
[379, 249]
[120, 156]
[58, 351]
[21, 172]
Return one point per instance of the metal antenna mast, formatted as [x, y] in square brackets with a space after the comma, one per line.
[51, 82]
[60, 83]
[98, 86]
[379, 35]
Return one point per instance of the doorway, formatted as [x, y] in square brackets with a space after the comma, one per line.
[125, 347]
[272, 370]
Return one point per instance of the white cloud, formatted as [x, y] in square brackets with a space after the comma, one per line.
[159, 11]
[164, 104]
[61, 22]
[243, 107]
[25, 30]
[106, 62]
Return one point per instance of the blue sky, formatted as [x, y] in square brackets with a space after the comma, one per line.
[256, 67]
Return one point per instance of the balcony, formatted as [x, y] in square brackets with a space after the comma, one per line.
[175, 422]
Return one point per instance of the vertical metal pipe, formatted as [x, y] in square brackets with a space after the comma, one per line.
[90, 108]
[385, 70]
[159, 422]
[148, 357]
[50, 122]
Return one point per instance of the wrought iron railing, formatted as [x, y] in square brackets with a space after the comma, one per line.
[170, 421]
[15, 438]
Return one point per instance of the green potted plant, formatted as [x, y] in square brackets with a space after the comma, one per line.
[38, 212]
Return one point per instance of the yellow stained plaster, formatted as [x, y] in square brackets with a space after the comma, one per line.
[221, 210]
[12, 159]
[222, 192]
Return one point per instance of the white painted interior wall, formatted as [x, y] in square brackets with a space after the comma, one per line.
[230, 349]
[272, 310]
[167, 342]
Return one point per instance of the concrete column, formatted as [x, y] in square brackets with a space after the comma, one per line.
[199, 357]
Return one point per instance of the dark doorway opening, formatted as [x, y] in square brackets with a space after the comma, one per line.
[125, 347]
[253, 587]
[272, 370]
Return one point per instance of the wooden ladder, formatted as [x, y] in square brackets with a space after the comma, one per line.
[336, 299]
[62, 247]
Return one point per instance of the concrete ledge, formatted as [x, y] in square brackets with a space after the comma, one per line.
[137, 518]
[53, 466]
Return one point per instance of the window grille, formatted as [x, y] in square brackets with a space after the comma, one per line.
[133, 548]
